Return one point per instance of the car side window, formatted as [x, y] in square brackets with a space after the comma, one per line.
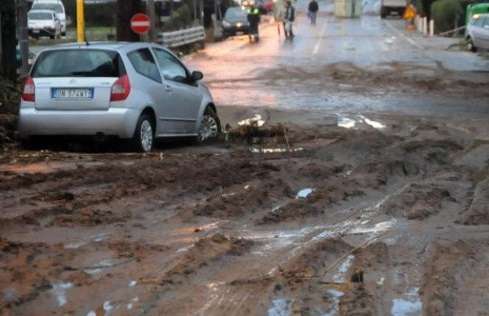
[144, 63]
[485, 22]
[476, 22]
[170, 67]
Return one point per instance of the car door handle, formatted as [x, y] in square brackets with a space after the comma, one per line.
[168, 88]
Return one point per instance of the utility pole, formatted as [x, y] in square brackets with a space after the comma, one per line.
[8, 39]
[22, 9]
[125, 9]
[150, 11]
[80, 21]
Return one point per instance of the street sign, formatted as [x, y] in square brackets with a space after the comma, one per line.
[140, 23]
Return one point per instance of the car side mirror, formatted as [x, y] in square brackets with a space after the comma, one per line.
[196, 76]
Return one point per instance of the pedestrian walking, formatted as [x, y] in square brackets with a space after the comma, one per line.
[289, 17]
[312, 11]
[254, 21]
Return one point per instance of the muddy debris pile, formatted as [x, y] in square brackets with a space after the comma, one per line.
[478, 211]
[418, 201]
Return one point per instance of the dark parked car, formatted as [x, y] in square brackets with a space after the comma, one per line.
[235, 22]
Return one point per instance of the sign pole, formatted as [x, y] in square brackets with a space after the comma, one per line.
[80, 21]
[23, 35]
[152, 18]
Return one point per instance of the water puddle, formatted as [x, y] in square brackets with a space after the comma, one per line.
[377, 228]
[345, 122]
[256, 150]
[304, 193]
[102, 265]
[339, 277]
[131, 304]
[390, 40]
[75, 245]
[410, 304]
[59, 290]
[108, 306]
[336, 296]
[280, 307]
[372, 123]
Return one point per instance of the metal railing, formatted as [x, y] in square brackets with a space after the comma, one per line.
[182, 37]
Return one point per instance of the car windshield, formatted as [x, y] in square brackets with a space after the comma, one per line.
[40, 16]
[56, 7]
[235, 13]
[78, 63]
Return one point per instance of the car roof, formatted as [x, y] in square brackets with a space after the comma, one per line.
[117, 46]
[42, 11]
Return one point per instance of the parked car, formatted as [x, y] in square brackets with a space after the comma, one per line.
[57, 7]
[389, 6]
[235, 22]
[43, 23]
[136, 91]
[478, 32]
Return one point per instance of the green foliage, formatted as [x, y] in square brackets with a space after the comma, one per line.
[180, 18]
[447, 14]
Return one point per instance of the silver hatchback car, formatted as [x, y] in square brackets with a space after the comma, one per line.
[478, 32]
[137, 91]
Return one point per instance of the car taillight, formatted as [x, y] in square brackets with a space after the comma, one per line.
[29, 92]
[120, 89]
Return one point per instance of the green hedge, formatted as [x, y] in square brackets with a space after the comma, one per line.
[447, 14]
[180, 18]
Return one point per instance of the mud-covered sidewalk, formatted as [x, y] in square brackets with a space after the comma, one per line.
[355, 215]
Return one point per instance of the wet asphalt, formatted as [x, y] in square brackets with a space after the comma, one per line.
[240, 73]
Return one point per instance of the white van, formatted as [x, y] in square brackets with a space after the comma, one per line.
[389, 6]
[52, 5]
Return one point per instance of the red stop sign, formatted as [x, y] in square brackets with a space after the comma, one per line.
[140, 23]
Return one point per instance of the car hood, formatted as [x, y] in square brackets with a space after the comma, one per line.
[234, 21]
[41, 23]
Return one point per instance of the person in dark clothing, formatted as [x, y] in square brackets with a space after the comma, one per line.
[312, 11]
[254, 21]
[289, 17]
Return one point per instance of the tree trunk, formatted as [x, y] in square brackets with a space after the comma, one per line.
[125, 10]
[8, 39]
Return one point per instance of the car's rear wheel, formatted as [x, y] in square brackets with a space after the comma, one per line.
[210, 126]
[144, 135]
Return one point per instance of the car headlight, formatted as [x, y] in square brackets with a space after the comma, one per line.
[226, 23]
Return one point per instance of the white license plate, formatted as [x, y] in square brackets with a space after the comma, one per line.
[70, 93]
[36, 31]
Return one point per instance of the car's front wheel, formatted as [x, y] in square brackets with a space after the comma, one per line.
[470, 45]
[144, 135]
[210, 126]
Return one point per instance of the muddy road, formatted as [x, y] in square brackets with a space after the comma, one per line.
[347, 215]
[364, 192]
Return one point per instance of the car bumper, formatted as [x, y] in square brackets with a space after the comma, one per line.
[119, 122]
[233, 30]
[42, 32]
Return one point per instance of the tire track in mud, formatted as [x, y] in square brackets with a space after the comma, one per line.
[195, 240]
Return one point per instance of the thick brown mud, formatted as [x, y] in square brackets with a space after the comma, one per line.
[386, 215]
